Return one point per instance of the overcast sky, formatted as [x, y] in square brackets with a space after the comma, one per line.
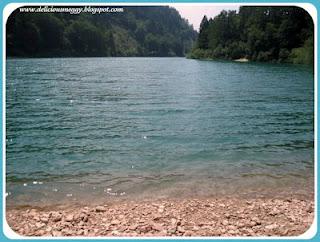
[194, 14]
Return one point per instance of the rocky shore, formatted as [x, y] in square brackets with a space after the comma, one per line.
[185, 217]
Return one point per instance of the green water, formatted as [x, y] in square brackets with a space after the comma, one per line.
[110, 127]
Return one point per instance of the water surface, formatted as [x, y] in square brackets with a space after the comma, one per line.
[111, 127]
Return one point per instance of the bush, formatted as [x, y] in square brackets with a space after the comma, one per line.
[264, 56]
[200, 54]
[304, 54]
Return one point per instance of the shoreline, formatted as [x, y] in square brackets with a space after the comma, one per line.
[48, 194]
[229, 216]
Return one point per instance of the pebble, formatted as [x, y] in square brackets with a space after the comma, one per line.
[84, 217]
[172, 230]
[161, 209]
[256, 220]
[44, 219]
[271, 226]
[274, 212]
[181, 229]
[310, 209]
[69, 218]
[100, 209]
[56, 217]
[157, 227]
[56, 233]
[191, 217]
[225, 222]
[115, 222]
[39, 225]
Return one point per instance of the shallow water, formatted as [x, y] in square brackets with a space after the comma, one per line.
[125, 127]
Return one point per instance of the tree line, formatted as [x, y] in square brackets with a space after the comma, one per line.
[138, 31]
[274, 34]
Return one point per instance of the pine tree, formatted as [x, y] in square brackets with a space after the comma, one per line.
[203, 34]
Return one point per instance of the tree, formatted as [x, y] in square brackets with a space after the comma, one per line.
[86, 39]
[123, 34]
[259, 33]
[51, 30]
[203, 33]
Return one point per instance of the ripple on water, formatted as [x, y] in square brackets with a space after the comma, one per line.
[202, 126]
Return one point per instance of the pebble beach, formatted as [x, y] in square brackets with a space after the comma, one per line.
[209, 217]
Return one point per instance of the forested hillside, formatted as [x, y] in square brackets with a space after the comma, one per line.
[138, 31]
[277, 34]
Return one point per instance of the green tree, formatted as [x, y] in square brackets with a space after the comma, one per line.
[203, 34]
[86, 39]
[264, 33]
[138, 31]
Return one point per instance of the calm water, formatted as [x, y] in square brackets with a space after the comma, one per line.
[130, 127]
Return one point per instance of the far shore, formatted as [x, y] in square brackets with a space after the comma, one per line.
[210, 217]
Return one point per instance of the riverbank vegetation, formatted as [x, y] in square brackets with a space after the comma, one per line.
[137, 31]
[273, 34]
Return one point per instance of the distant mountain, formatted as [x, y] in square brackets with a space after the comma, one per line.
[137, 31]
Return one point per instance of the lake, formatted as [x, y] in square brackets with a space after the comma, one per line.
[91, 129]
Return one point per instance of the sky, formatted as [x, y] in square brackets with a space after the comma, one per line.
[194, 14]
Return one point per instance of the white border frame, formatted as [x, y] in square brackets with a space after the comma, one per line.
[8, 9]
